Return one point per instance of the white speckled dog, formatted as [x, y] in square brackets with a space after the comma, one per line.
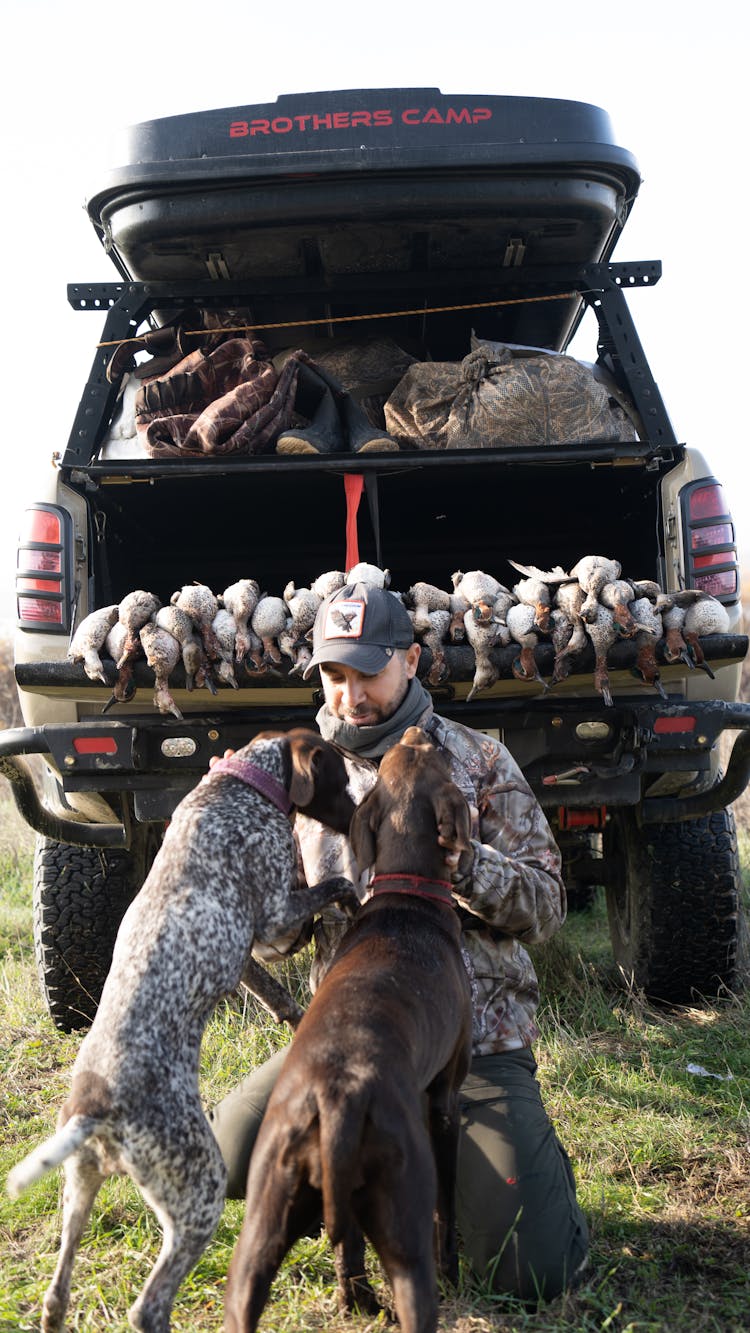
[223, 877]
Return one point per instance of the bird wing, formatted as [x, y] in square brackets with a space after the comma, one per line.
[556, 575]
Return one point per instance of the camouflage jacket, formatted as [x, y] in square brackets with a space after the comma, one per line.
[514, 894]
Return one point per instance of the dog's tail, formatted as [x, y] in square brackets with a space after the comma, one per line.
[51, 1153]
[342, 1125]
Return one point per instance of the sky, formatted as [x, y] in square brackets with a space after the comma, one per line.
[672, 76]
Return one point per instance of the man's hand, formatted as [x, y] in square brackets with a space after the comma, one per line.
[460, 859]
[214, 759]
[463, 867]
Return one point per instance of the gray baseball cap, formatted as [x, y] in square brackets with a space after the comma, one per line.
[359, 626]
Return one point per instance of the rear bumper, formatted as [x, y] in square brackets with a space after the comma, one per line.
[21, 741]
[154, 761]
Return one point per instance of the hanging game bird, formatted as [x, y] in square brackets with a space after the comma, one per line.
[89, 639]
[162, 654]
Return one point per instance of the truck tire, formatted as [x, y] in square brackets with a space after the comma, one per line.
[80, 897]
[674, 904]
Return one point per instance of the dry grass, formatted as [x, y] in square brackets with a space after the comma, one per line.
[661, 1157]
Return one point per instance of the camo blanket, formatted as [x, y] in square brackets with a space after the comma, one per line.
[230, 400]
[500, 397]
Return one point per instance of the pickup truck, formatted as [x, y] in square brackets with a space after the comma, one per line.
[431, 219]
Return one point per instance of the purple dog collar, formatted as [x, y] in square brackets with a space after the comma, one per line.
[257, 778]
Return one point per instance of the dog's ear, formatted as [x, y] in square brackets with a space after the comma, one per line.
[363, 828]
[416, 739]
[305, 756]
[453, 822]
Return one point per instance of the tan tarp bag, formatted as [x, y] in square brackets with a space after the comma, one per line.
[501, 396]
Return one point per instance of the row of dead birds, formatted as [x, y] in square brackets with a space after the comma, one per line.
[215, 635]
[590, 602]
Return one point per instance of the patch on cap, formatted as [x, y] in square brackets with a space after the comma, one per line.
[345, 619]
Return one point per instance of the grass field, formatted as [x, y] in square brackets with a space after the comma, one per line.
[660, 1153]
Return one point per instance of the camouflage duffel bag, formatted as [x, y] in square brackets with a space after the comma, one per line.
[501, 396]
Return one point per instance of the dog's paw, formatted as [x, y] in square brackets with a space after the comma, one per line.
[349, 902]
[343, 892]
[356, 1296]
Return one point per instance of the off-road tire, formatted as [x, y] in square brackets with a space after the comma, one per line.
[674, 902]
[80, 897]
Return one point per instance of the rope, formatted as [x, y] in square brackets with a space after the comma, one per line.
[354, 319]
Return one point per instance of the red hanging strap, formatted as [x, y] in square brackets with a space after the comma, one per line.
[353, 486]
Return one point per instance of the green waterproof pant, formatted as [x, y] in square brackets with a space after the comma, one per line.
[520, 1225]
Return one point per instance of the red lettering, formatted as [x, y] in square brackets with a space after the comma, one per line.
[410, 117]
[339, 120]
[432, 117]
[481, 113]
[453, 117]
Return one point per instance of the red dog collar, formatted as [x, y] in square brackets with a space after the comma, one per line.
[436, 890]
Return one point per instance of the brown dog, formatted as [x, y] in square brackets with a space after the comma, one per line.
[390, 1022]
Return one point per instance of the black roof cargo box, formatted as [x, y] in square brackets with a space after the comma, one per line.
[400, 190]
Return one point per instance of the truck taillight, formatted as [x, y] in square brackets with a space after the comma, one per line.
[43, 570]
[711, 562]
